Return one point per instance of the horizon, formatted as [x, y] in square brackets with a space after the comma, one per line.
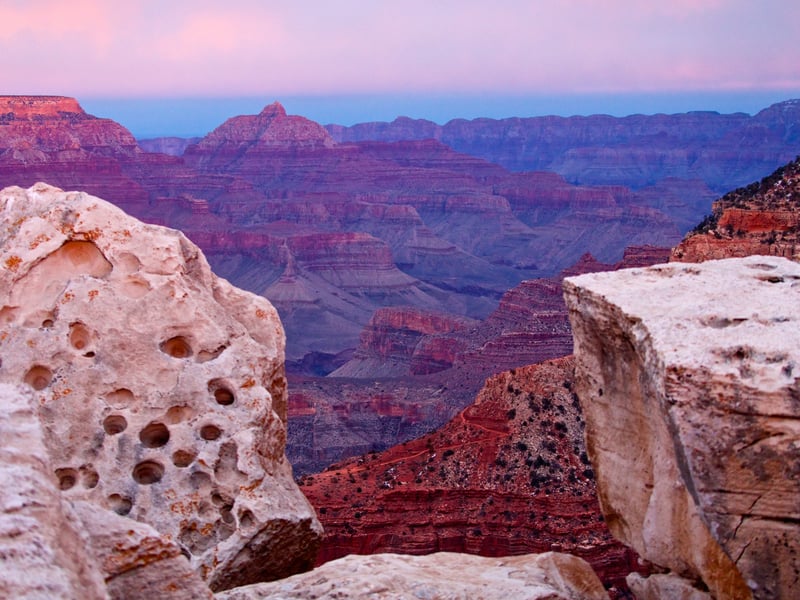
[195, 117]
[365, 60]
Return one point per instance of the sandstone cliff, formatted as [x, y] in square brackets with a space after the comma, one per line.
[691, 410]
[160, 387]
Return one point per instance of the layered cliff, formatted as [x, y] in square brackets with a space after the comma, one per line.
[428, 366]
[723, 150]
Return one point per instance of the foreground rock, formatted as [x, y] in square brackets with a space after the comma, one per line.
[160, 387]
[446, 575]
[42, 551]
[687, 377]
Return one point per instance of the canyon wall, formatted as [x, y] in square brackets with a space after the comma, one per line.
[723, 150]
[686, 375]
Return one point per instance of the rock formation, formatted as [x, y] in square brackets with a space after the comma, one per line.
[686, 374]
[411, 381]
[724, 150]
[549, 576]
[762, 218]
[160, 387]
[54, 548]
[42, 546]
[508, 475]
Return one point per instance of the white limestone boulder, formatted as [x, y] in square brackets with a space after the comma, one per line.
[689, 378]
[160, 387]
[444, 576]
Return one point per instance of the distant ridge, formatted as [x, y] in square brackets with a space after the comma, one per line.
[635, 151]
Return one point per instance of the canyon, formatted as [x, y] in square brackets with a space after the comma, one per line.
[268, 197]
[352, 235]
[416, 364]
[722, 150]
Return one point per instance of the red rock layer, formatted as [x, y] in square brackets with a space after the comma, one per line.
[403, 340]
[763, 218]
[508, 475]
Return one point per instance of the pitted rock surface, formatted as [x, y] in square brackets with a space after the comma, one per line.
[43, 552]
[160, 387]
[444, 576]
[687, 374]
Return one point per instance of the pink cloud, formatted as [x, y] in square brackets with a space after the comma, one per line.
[257, 47]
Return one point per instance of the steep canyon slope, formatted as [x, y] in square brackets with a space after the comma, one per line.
[413, 370]
[761, 218]
[508, 475]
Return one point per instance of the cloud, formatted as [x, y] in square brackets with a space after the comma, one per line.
[241, 47]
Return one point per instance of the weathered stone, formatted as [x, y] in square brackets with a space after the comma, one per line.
[160, 387]
[664, 586]
[687, 377]
[137, 562]
[42, 552]
[445, 576]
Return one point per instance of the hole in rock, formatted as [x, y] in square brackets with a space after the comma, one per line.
[38, 377]
[176, 414]
[89, 355]
[148, 472]
[206, 355]
[89, 477]
[200, 480]
[8, 314]
[79, 336]
[129, 263]
[114, 424]
[84, 258]
[246, 519]
[226, 514]
[183, 458]
[48, 323]
[154, 435]
[120, 398]
[762, 266]
[67, 478]
[222, 392]
[186, 553]
[176, 347]
[134, 287]
[210, 432]
[120, 504]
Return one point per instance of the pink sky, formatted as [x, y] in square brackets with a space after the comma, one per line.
[144, 48]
